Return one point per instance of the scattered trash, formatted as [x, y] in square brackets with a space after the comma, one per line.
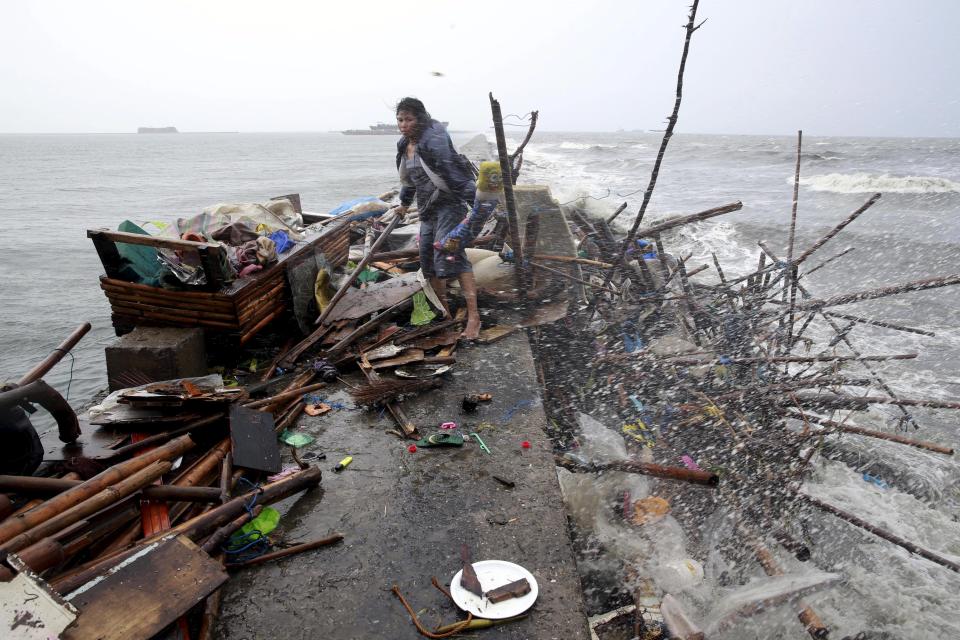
[441, 440]
[343, 464]
[295, 439]
[483, 445]
[874, 480]
[649, 510]
[317, 409]
[412, 448]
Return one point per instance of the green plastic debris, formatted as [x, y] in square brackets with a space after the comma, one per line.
[422, 313]
[295, 438]
[266, 522]
[368, 275]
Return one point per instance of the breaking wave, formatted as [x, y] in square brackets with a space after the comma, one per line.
[867, 183]
[582, 146]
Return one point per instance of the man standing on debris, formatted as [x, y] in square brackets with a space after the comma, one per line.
[443, 183]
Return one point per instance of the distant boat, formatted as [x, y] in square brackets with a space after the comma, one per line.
[157, 130]
[380, 129]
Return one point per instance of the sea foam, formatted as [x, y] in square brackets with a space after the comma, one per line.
[884, 183]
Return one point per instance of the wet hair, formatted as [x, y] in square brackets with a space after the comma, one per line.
[415, 107]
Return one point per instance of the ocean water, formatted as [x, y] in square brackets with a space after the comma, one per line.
[54, 187]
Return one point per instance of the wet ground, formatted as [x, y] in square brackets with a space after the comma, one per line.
[404, 516]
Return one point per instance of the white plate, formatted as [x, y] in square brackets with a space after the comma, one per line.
[493, 574]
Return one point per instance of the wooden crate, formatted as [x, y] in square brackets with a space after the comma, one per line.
[242, 307]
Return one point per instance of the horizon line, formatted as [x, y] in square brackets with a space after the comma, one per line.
[580, 131]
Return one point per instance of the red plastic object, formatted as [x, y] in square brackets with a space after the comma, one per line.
[525, 444]
[412, 448]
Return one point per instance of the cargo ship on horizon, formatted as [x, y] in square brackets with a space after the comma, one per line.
[379, 129]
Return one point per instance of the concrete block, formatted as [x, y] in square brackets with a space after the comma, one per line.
[157, 353]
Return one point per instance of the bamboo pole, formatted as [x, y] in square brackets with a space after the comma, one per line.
[870, 433]
[101, 500]
[793, 227]
[837, 229]
[70, 498]
[878, 323]
[659, 228]
[202, 469]
[882, 533]
[842, 335]
[289, 551]
[47, 486]
[286, 395]
[825, 263]
[359, 268]
[198, 526]
[616, 213]
[882, 292]
[811, 621]
[570, 259]
[573, 278]
[165, 436]
[679, 359]
[55, 356]
[221, 535]
[226, 478]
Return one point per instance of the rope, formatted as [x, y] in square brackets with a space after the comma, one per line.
[73, 360]
[251, 539]
[416, 621]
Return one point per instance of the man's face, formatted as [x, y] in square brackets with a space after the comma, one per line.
[407, 123]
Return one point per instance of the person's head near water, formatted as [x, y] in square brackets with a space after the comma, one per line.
[412, 117]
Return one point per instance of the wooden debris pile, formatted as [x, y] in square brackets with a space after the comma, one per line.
[744, 378]
[154, 521]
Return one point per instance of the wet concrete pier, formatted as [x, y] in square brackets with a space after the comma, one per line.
[404, 516]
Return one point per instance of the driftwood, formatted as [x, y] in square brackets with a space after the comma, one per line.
[523, 282]
[516, 158]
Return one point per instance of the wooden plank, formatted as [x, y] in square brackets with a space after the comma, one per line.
[411, 355]
[157, 585]
[149, 241]
[170, 293]
[358, 303]
[495, 333]
[254, 440]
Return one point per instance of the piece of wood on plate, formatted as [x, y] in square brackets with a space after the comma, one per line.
[514, 589]
[145, 593]
[254, 440]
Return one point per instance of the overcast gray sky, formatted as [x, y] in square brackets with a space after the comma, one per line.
[830, 67]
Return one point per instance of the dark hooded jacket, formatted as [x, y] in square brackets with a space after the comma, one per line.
[439, 157]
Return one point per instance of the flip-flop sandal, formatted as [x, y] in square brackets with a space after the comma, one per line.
[441, 440]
